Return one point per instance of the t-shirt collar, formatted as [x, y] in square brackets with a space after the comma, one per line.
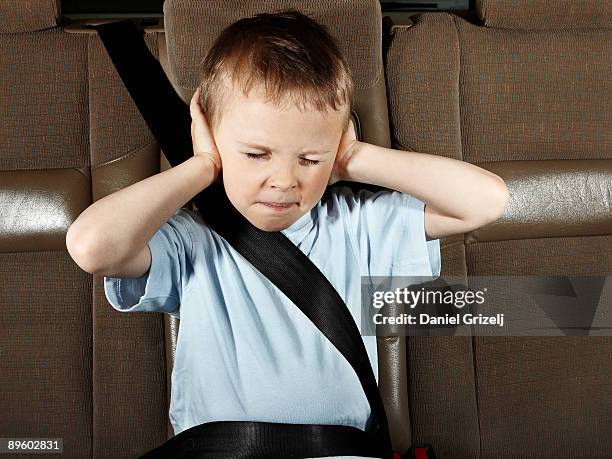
[301, 227]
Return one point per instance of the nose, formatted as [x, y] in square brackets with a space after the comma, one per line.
[283, 179]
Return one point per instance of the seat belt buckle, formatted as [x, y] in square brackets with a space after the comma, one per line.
[419, 451]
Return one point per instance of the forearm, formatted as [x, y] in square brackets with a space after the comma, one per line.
[455, 188]
[119, 225]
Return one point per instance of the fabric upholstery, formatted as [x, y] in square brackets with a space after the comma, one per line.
[544, 14]
[28, 16]
[191, 30]
[532, 106]
[43, 101]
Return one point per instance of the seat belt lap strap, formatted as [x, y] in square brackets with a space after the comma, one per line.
[291, 271]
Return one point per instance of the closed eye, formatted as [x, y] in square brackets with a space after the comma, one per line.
[310, 162]
[255, 155]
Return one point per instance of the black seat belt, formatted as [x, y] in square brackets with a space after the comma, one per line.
[271, 253]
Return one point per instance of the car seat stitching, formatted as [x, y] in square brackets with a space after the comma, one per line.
[476, 394]
[454, 19]
[475, 371]
[127, 155]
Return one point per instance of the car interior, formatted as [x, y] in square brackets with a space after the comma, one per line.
[520, 88]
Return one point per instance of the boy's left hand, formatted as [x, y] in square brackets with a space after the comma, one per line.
[347, 145]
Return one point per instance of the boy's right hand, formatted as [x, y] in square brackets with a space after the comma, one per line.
[201, 135]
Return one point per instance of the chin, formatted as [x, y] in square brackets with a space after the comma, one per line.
[269, 224]
[271, 227]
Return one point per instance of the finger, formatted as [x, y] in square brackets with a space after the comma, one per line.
[196, 94]
[194, 105]
[352, 131]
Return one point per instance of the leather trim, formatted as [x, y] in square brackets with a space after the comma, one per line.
[371, 106]
[171, 330]
[38, 207]
[393, 385]
[552, 199]
[119, 173]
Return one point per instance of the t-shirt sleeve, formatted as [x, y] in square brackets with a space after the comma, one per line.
[160, 289]
[387, 230]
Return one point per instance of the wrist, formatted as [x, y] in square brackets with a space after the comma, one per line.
[350, 167]
[207, 170]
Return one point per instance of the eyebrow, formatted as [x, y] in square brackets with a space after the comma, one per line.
[268, 149]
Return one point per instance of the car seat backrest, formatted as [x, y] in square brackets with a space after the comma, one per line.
[531, 103]
[45, 333]
[190, 29]
[70, 134]
[533, 95]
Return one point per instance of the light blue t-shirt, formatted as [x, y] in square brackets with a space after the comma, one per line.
[245, 352]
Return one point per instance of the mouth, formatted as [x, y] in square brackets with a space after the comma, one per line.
[278, 206]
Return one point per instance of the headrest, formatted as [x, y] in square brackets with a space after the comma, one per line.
[18, 16]
[545, 14]
[191, 27]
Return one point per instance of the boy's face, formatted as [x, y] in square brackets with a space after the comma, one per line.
[296, 153]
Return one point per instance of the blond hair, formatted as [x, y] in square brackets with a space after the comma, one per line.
[291, 56]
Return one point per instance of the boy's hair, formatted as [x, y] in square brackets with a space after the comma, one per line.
[289, 55]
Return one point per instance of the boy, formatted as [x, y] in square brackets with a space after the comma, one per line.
[273, 114]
